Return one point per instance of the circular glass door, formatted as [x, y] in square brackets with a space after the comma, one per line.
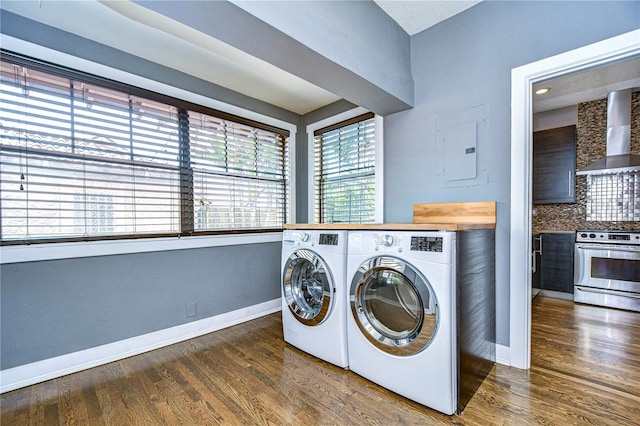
[307, 287]
[394, 306]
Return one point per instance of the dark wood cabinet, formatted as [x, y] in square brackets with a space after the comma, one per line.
[556, 262]
[554, 165]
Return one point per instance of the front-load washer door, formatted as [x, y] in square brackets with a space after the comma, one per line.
[394, 306]
[308, 287]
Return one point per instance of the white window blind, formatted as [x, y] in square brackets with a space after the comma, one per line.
[81, 160]
[238, 174]
[344, 171]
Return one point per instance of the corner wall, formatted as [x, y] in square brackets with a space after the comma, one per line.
[465, 63]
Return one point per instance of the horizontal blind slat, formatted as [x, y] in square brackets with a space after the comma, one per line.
[79, 159]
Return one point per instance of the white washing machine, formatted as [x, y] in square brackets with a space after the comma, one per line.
[314, 293]
[401, 321]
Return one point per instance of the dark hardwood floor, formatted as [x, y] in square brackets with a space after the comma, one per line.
[585, 370]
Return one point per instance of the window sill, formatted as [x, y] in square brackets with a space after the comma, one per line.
[53, 251]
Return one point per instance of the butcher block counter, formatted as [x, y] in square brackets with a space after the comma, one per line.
[426, 217]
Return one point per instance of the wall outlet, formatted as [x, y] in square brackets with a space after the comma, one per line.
[191, 309]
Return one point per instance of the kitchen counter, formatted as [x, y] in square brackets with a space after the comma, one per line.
[544, 231]
[392, 226]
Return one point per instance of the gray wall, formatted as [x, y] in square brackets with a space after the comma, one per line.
[561, 117]
[466, 62]
[55, 307]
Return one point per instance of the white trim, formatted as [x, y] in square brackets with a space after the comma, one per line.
[522, 80]
[40, 371]
[37, 252]
[379, 185]
[293, 168]
[502, 355]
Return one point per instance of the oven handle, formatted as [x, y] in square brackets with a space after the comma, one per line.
[534, 266]
[610, 292]
[607, 247]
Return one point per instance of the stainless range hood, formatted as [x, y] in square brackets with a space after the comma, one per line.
[619, 157]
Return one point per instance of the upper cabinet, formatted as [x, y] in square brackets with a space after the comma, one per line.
[554, 165]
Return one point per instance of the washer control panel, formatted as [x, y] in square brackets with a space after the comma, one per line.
[433, 244]
[399, 243]
[388, 242]
[328, 240]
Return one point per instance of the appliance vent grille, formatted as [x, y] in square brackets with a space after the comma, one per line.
[613, 197]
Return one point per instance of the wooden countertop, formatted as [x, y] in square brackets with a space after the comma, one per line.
[392, 226]
[426, 217]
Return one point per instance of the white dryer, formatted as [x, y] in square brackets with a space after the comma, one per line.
[314, 293]
[401, 321]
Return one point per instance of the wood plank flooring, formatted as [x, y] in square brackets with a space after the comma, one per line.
[585, 370]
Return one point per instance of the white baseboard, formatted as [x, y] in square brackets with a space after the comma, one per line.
[503, 355]
[40, 371]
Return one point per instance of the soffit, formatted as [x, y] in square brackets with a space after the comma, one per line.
[134, 29]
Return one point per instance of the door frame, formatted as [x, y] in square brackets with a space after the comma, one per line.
[522, 80]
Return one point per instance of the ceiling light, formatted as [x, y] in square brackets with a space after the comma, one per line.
[543, 90]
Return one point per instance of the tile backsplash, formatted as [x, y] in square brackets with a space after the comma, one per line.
[590, 146]
[613, 197]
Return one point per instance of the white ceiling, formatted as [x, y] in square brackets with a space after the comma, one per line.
[588, 85]
[197, 54]
[418, 15]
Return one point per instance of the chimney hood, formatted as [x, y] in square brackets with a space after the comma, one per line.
[619, 157]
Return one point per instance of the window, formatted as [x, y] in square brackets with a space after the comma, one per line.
[93, 214]
[83, 158]
[344, 171]
[238, 174]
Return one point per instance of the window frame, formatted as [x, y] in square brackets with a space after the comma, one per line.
[379, 160]
[19, 253]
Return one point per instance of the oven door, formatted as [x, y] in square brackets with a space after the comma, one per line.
[608, 266]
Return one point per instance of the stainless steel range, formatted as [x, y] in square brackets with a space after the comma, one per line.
[607, 269]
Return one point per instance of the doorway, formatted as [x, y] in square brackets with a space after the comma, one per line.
[522, 80]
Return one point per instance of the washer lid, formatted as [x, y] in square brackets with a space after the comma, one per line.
[308, 288]
[394, 306]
